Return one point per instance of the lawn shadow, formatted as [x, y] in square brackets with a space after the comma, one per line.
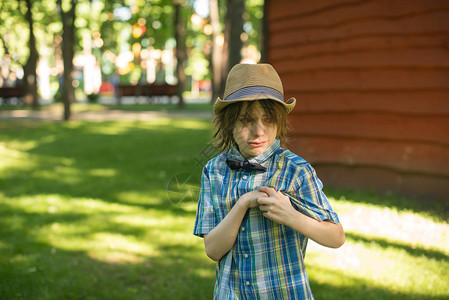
[416, 251]
[113, 165]
[92, 161]
[76, 275]
[33, 268]
[352, 287]
[436, 209]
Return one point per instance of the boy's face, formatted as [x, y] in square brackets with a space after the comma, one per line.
[254, 133]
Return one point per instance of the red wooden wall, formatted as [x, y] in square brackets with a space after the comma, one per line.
[371, 79]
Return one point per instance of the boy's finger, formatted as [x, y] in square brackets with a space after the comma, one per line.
[263, 200]
[264, 206]
[270, 191]
[263, 194]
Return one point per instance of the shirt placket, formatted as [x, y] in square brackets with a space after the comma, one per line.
[243, 250]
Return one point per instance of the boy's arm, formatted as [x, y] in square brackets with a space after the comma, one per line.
[220, 240]
[278, 208]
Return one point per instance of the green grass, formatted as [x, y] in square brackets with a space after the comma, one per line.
[105, 210]
[193, 107]
[76, 107]
[5, 107]
[82, 107]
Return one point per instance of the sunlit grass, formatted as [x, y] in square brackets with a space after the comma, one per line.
[106, 211]
[86, 203]
[398, 252]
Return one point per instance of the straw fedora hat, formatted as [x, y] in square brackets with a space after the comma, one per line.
[250, 82]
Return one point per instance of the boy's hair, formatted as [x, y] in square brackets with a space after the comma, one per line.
[226, 119]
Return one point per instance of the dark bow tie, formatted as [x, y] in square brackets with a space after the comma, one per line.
[235, 164]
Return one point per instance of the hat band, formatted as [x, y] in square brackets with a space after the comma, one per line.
[253, 91]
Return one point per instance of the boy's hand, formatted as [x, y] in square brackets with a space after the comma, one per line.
[250, 199]
[276, 207]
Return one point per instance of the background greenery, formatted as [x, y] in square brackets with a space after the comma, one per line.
[115, 26]
[105, 210]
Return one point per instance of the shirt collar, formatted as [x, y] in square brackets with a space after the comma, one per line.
[234, 153]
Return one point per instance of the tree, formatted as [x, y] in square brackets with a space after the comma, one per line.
[14, 49]
[226, 46]
[233, 32]
[217, 50]
[264, 35]
[181, 52]
[112, 25]
[31, 64]
[68, 52]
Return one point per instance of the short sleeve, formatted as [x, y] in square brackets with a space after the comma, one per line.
[309, 198]
[206, 219]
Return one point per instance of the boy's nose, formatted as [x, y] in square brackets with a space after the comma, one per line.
[258, 128]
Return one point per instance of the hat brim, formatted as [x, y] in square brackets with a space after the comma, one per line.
[288, 105]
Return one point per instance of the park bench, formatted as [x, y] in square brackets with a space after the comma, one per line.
[6, 93]
[147, 90]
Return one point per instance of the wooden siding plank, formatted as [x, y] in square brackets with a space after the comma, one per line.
[403, 157]
[413, 185]
[377, 59]
[399, 102]
[432, 130]
[358, 80]
[417, 103]
[293, 8]
[387, 40]
[436, 22]
[360, 45]
[333, 10]
[355, 14]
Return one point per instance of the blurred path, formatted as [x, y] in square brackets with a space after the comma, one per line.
[106, 115]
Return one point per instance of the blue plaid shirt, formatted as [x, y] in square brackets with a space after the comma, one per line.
[267, 259]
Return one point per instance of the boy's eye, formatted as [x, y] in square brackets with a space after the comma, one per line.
[268, 120]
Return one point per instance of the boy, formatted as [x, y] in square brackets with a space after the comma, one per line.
[259, 203]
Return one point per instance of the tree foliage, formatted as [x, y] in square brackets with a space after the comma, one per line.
[137, 27]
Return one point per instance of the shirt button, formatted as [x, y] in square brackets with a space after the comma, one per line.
[243, 229]
[244, 177]
[246, 255]
[247, 283]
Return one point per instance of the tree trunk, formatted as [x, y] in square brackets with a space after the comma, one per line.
[234, 28]
[264, 37]
[5, 63]
[68, 52]
[217, 48]
[181, 52]
[30, 76]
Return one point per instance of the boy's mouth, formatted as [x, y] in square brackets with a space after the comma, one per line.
[256, 144]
